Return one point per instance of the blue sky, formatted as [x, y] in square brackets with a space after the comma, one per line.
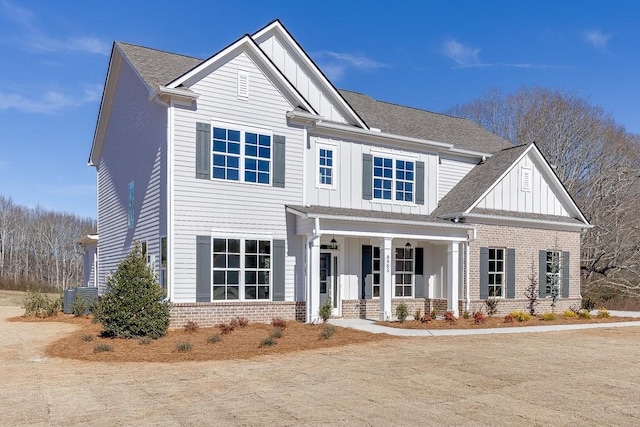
[425, 54]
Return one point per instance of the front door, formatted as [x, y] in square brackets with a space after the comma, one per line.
[329, 281]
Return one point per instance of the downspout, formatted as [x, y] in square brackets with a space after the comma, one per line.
[169, 205]
[467, 255]
[314, 236]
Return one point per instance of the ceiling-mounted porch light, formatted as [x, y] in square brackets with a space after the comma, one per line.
[408, 245]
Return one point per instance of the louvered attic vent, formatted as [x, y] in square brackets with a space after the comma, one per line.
[243, 84]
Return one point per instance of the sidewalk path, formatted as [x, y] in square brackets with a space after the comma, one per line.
[370, 326]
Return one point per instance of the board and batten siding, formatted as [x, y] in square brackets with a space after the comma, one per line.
[508, 194]
[301, 77]
[133, 150]
[348, 170]
[202, 205]
[451, 170]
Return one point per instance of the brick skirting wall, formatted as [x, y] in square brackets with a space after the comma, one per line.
[370, 308]
[208, 314]
[505, 306]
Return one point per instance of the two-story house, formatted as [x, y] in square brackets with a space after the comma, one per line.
[258, 189]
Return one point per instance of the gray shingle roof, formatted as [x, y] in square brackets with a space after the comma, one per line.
[477, 181]
[328, 211]
[157, 67]
[416, 123]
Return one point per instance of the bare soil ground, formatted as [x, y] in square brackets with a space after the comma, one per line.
[585, 377]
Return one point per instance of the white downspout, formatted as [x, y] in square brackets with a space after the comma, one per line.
[467, 256]
[170, 239]
[309, 296]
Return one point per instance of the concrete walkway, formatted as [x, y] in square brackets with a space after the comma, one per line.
[370, 326]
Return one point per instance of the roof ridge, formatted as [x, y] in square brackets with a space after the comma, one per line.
[159, 50]
[404, 106]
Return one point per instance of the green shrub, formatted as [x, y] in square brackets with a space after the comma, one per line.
[183, 347]
[603, 313]
[570, 313]
[584, 314]
[433, 314]
[521, 316]
[325, 311]
[417, 315]
[548, 316]
[40, 305]
[134, 305]
[80, 306]
[466, 314]
[276, 333]
[327, 332]
[100, 348]
[212, 339]
[402, 312]
[87, 337]
[268, 342]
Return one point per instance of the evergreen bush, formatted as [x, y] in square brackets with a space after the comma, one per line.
[134, 306]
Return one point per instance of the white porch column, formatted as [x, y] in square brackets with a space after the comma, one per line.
[386, 277]
[453, 274]
[313, 278]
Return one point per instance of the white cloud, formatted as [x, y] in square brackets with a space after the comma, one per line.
[49, 102]
[336, 64]
[598, 39]
[462, 55]
[33, 39]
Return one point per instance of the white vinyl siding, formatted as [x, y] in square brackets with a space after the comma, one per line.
[451, 170]
[133, 151]
[507, 194]
[203, 206]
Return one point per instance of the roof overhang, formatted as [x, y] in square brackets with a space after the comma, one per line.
[571, 224]
[89, 238]
[167, 94]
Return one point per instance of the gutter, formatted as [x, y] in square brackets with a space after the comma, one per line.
[515, 219]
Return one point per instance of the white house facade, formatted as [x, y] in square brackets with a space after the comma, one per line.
[258, 189]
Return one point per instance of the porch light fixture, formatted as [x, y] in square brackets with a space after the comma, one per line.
[408, 245]
[333, 244]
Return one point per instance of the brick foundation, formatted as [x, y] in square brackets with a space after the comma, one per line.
[215, 313]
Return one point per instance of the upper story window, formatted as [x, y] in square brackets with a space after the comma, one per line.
[241, 155]
[325, 164]
[393, 179]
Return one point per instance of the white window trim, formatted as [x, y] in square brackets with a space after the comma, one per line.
[334, 170]
[243, 129]
[393, 200]
[241, 285]
[526, 176]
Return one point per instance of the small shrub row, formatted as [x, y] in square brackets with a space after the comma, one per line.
[603, 313]
[548, 316]
[521, 316]
[569, 314]
[40, 305]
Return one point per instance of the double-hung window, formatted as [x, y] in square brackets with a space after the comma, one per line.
[552, 277]
[325, 166]
[241, 269]
[241, 154]
[393, 179]
[496, 272]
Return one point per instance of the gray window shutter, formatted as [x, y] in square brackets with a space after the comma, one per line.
[203, 150]
[511, 273]
[565, 274]
[367, 176]
[420, 183]
[419, 273]
[542, 276]
[203, 268]
[277, 269]
[367, 277]
[484, 273]
[279, 160]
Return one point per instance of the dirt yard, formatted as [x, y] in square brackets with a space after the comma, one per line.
[587, 377]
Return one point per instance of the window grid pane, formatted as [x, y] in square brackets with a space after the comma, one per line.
[496, 272]
[404, 181]
[258, 269]
[552, 279]
[382, 178]
[252, 277]
[325, 163]
[404, 272]
[257, 162]
[226, 269]
[226, 154]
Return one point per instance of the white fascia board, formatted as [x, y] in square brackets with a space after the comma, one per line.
[469, 153]
[292, 44]
[526, 222]
[500, 178]
[167, 94]
[341, 130]
[302, 117]
[250, 46]
[88, 239]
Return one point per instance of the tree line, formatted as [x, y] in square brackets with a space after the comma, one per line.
[598, 161]
[38, 247]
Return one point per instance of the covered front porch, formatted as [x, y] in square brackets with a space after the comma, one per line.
[366, 263]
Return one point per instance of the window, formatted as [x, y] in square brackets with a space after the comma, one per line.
[496, 272]
[240, 155]
[325, 166]
[131, 218]
[241, 269]
[163, 264]
[552, 277]
[393, 179]
[376, 272]
[404, 272]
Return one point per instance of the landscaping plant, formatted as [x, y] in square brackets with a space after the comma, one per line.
[133, 305]
[325, 311]
[40, 305]
[532, 293]
[492, 305]
[402, 312]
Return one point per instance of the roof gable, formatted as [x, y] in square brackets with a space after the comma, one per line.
[291, 59]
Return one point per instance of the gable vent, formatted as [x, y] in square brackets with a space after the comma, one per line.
[243, 84]
[526, 179]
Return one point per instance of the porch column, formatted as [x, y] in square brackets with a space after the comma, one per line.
[453, 274]
[313, 278]
[386, 285]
